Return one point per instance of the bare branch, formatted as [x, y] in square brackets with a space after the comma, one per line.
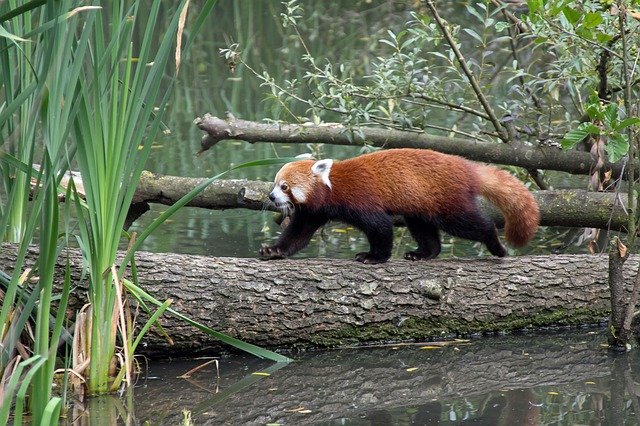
[529, 157]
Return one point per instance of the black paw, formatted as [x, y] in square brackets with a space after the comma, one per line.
[417, 255]
[370, 259]
[272, 252]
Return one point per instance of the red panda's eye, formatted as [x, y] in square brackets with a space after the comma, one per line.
[284, 186]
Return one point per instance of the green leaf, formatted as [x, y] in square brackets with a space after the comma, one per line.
[603, 37]
[51, 413]
[595, 111]
[385, 41]
[6, 34]
[473, 34]
[592, 19]
[534, 5]
[22, 9]
[572, 137]
[611, 115]
[572, 15]
[617, 147]
[475, 13]
[501, 26]
[631, 121]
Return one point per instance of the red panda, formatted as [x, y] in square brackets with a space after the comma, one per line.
[433, 191]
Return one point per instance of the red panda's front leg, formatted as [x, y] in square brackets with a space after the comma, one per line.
[378, 227]
[295, 236]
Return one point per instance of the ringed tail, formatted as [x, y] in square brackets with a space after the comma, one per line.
[520, 209]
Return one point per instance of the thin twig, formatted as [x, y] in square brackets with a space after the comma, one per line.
[452, 106]
[632, 200]
[200, 367]
[633, 153]
[522, 27]
[586, 40]
[467, 71]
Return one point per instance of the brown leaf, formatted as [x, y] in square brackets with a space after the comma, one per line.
[622, 249]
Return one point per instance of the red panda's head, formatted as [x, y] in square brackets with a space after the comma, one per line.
[296, 183]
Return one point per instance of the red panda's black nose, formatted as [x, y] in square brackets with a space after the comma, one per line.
[272, 197]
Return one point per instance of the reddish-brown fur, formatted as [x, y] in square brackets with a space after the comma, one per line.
[433, 192]
[419, 181]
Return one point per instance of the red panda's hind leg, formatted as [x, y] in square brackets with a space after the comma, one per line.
[426, 235]
[473, 225]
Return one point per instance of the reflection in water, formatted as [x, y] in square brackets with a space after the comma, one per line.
[532, 379]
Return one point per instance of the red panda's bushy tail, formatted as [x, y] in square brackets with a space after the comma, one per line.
[520, 209]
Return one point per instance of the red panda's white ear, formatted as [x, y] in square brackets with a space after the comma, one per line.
[322, 168]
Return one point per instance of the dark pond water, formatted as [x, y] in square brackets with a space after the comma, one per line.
[552, 378]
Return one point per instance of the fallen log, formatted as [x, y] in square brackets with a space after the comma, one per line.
[332, 302]
[570, 208]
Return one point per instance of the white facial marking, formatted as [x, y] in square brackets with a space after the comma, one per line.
[279, 196]
[299, 195]
[322, 168]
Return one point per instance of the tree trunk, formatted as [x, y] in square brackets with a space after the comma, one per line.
[616, 289]
[330, 302]
[529, 157]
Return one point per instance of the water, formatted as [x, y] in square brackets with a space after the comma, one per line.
[551, 378]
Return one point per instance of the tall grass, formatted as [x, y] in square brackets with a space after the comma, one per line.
[122, 100]
[76, 87]
[35, 122]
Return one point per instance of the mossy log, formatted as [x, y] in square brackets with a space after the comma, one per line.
[330, 302]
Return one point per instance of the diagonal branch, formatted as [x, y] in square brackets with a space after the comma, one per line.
[469, 74]
[529, 157]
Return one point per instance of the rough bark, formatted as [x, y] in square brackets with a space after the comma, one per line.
[617, 295]
[529, 157]
[221, 194]
[571, 208]
[327, 302]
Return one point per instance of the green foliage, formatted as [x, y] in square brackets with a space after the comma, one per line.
[540, 71]
[35, 121]
[586, 42]
[611, 125]
[113, 132]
